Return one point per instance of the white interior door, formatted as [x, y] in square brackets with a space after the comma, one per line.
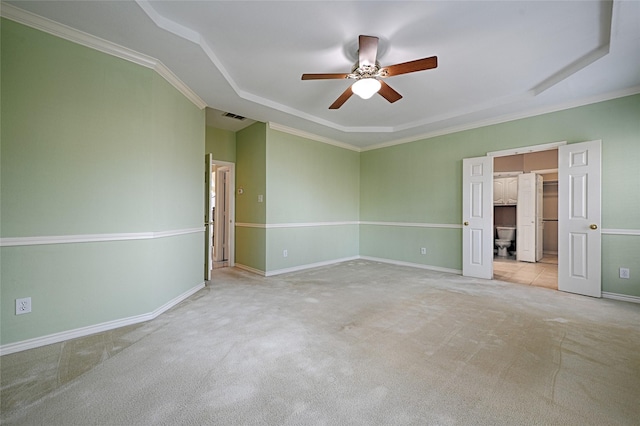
[579, 213]
[526, 225]
[539, 217]
[477, 217]
[221, 240]
[209, 188]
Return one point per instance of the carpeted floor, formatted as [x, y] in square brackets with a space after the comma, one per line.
[364, 343]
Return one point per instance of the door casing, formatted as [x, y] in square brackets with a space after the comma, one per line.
[523, 150]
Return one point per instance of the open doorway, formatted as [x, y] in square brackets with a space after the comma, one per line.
[525, 217]
[219, 214]
[579, 215]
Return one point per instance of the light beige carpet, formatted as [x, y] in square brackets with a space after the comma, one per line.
[363, 343]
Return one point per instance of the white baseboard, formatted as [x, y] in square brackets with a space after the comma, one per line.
[345, 259]
[97, 328]
[413, 265]
[309, 266]
[623, 297]
[250, 269]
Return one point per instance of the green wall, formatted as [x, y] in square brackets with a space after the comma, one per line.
[92, 144]
[310, 200]
[251, 146]
[221, 143]
[420, 182]
[310, 183]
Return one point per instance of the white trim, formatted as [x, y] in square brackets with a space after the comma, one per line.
[307, 135]
[97, 328]
[250, 225]
[310, 224]
[413, 265]
[309, 266]
[76, 36]
[545, 171]
[527, 149]
[414, 225]
[354, 222]
[347, 259]
[294, 225]
[250, 269]
[622, 297]
[509, 117]
[609, 231]
[93, 238]
[179, 85]
[80, 37]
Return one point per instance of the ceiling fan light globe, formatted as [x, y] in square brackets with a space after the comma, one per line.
[366, 87]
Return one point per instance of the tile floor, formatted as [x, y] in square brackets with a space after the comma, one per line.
[540, 274]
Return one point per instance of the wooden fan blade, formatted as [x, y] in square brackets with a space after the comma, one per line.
[412, 66]
[368, 50]
[342, 98]
[388, 93]
[324, 76]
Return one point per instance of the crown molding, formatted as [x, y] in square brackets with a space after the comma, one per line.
[307, 135]
[511, 117]
[65, 32]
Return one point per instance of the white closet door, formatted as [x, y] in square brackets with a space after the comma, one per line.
[539, 217]
[526, 218]
[579, 211]
[477, 217]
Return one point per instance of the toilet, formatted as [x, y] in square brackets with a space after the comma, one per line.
[506, 235]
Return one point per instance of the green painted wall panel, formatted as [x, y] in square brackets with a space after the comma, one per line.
[421, 181]
[178, 159]
[92, 144]
[177, 266]
[74, 285]
[251, 247]
[309, 245]
[221, 143]
[404, 244]
[251, 174]
[621, 251]
[60, 147]
[309, 181]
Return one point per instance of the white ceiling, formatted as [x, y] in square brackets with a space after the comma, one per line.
[498, 60]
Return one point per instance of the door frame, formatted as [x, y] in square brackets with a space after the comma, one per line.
[528, 149]
[231, 193]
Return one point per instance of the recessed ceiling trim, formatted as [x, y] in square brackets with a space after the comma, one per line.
[307, 135]
[71, 34]
[511, 117]
[602, 50]
[87, 40]
[193, 36]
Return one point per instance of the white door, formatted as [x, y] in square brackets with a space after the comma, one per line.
[579, 210]
[221, 240]
[526, 225]
[209, 190]
[539, 217]
[477, 217]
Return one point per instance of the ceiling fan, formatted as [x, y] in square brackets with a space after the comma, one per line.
[369, 74]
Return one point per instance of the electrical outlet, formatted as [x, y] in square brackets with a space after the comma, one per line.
[260, 198]
[624, 273]
[285, 253]
[423, 250]
[23, 306]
